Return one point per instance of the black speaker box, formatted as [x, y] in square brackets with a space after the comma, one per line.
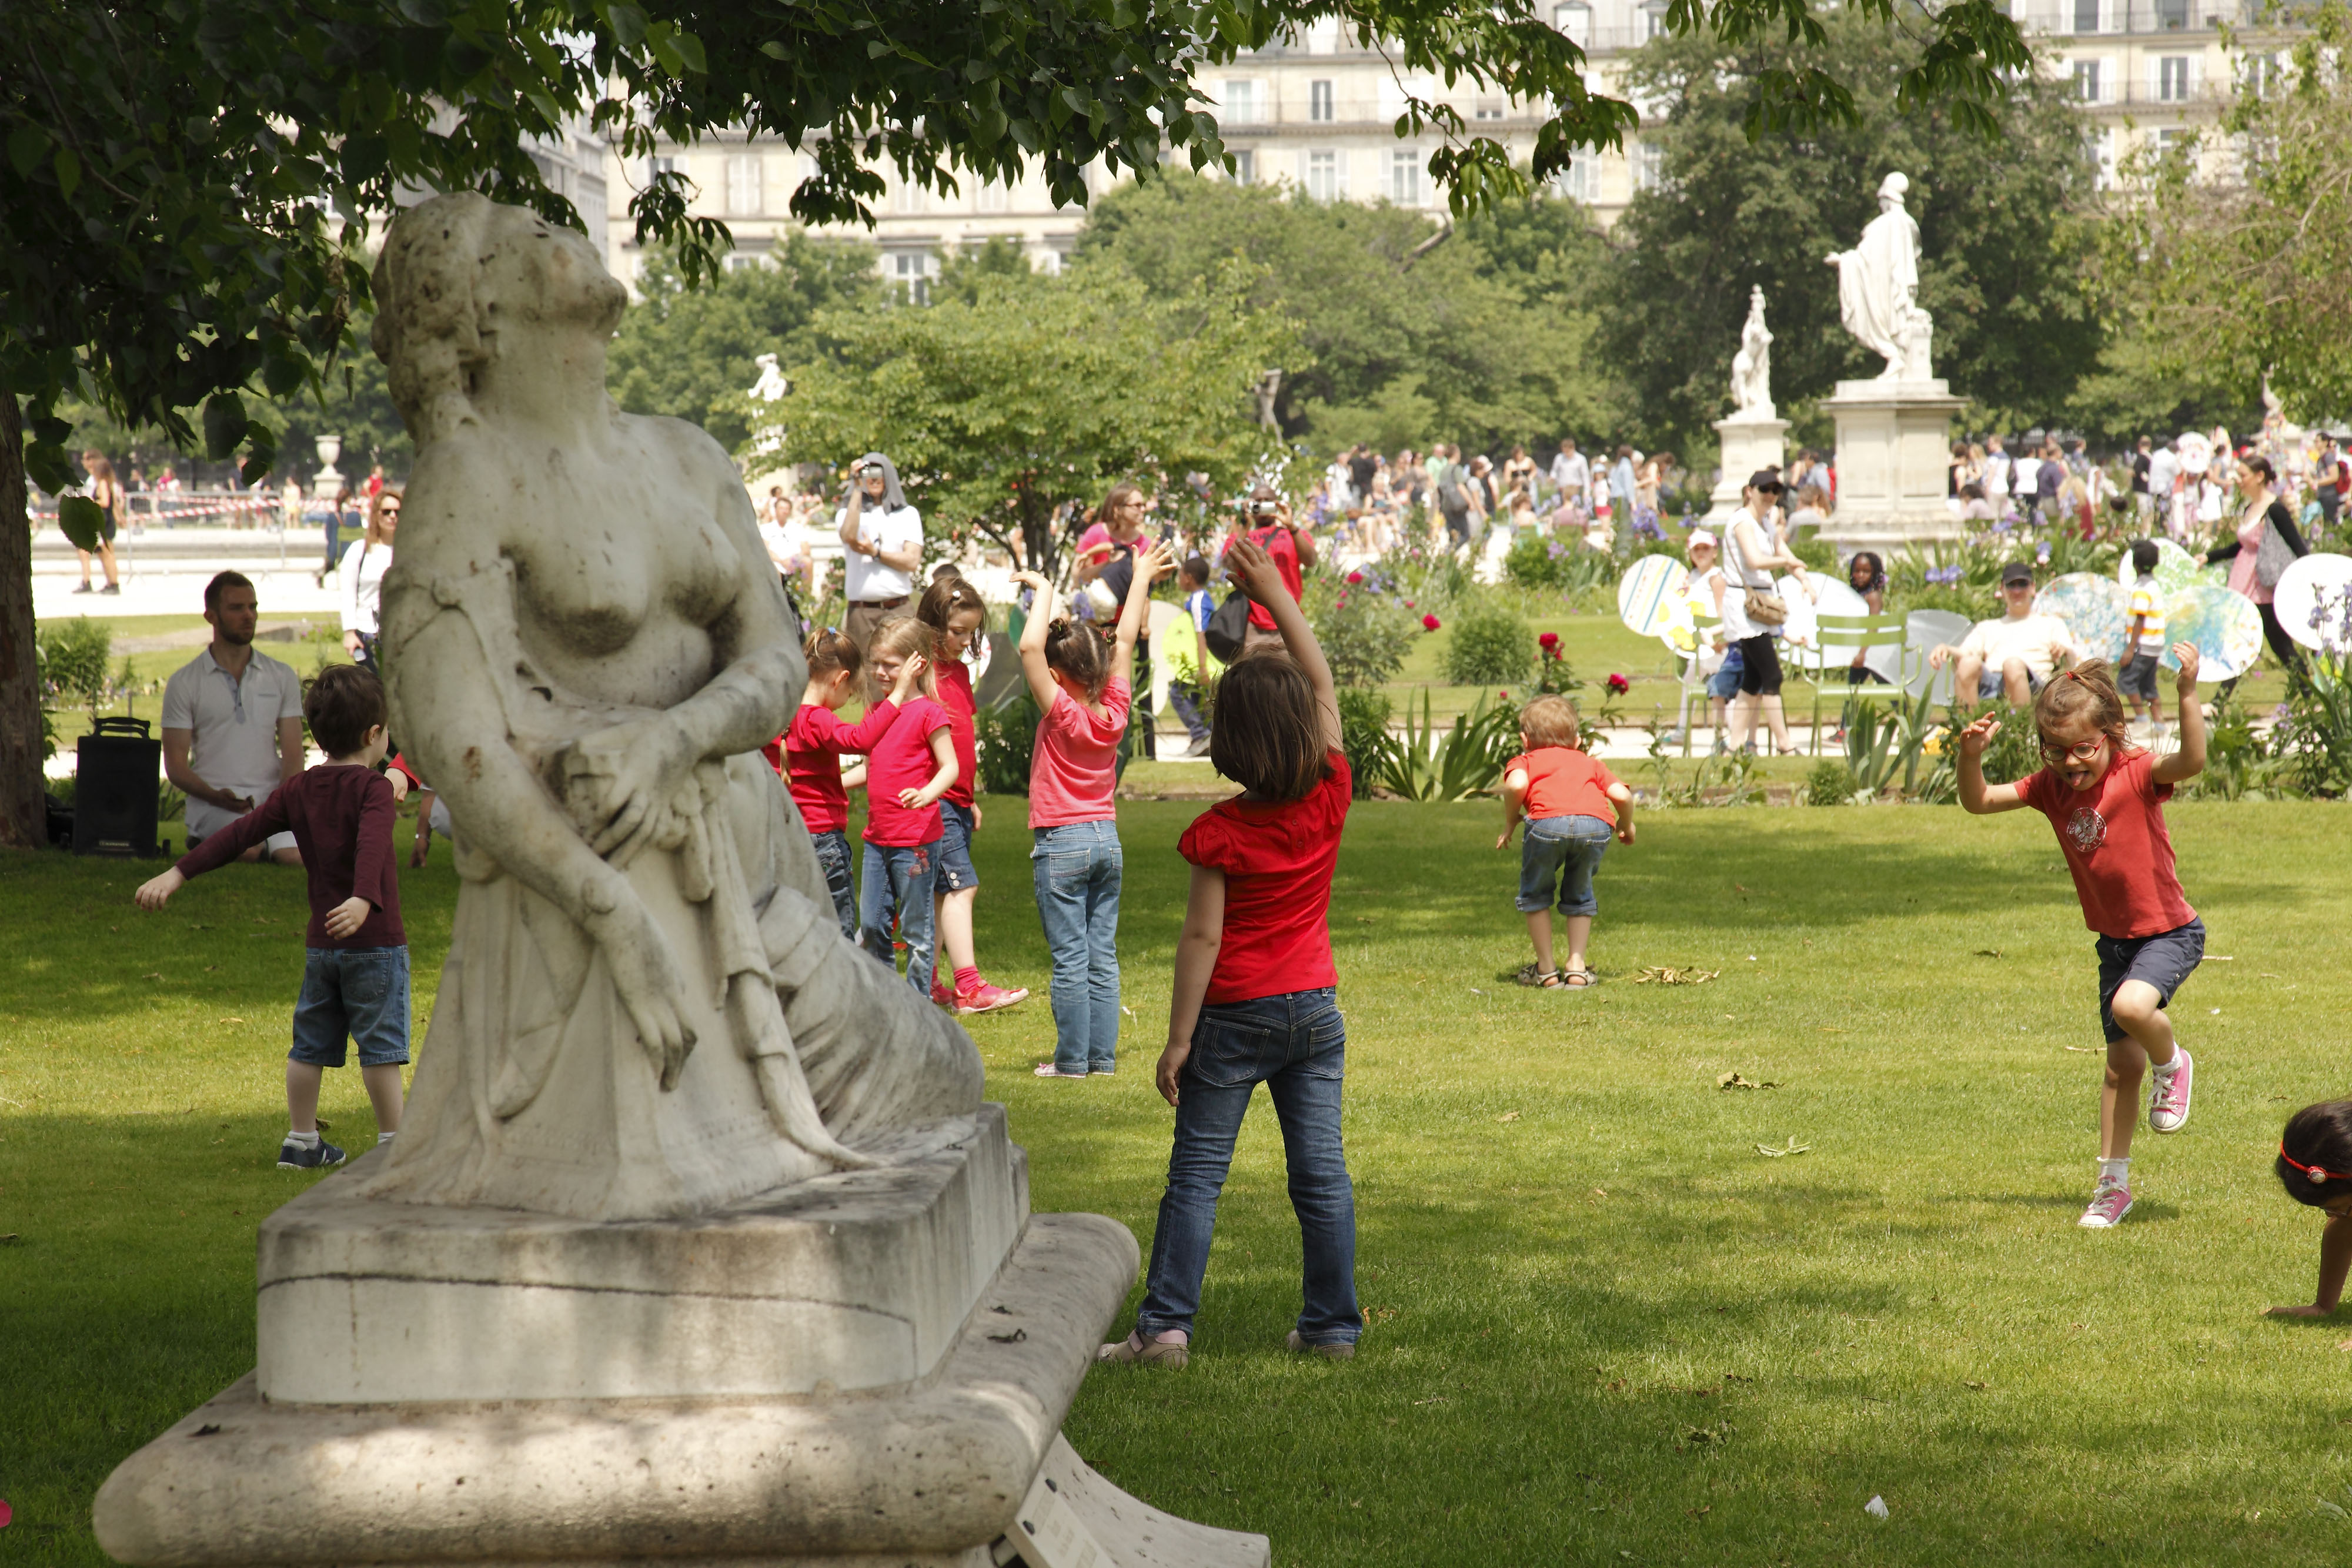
[115, 777]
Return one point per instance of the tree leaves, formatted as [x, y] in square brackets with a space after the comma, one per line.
[224, 424]
[82, 521]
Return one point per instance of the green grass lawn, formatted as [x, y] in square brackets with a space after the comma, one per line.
[1604, 1328]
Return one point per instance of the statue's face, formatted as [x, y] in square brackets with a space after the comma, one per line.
[533, 270]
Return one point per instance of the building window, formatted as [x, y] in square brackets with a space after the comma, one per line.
[1240, 103]
[1649, 166]
[739, 262]
[1580, 181]
[2103, 154]
[1654, 22]
[910, 197]
[1323, 176]
[992, 197]
[1575, 20]
[743, 193]
[1405, 179]
[2087, 81]
[1319, 102]
[2172, 78]
[1487, 109]
[2260, 73]
[2171, 15]
[1244, 166]
[2087, 15]
[661, 164]
[2173, 140]
[910, 270]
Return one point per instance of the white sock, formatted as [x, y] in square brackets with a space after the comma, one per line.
[383, 1139]
[2166, 1068]
[2115, 1171]
[309, 1139]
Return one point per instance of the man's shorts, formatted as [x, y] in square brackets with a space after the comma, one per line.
[955, 868]
[1988, 687]
[2137, 680]
[360, 993]
[2165, 960]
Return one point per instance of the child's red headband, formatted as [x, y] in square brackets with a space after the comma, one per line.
[2316, 1174]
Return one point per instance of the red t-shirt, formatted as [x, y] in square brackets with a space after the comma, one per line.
[902, 759]
[1073, 766]
[341, 817]
[813, 749]
[955, 695]
[1277, 857]
[1283, 546]
[2114, 838]
[1564, 782]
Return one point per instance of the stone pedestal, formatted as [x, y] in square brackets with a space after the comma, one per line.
[1749, 444]
[866, 1369]
[1894, 458]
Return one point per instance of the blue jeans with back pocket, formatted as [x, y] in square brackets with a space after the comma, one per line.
[1296, 1045]
[1077, 868]
[1562, 853]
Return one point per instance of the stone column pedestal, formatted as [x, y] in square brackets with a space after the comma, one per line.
[1893, 456]
[1749, 444]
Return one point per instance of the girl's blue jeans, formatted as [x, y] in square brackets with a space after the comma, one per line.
[898, 878]
[1296, 1046]
[1077, 868]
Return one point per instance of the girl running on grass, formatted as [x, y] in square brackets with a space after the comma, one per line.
[2315, 1165]
[1255, 998]
[908, 769]
[955, 613]
[2105, 798]
[812, 749]
[1081, 685]
[1573, 805]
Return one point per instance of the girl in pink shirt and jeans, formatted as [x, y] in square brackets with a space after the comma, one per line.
[1075, 858]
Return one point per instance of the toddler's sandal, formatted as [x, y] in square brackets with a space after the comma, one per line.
[1529, 975]
[1578, 979]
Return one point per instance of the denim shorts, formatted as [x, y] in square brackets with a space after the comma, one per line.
[1725, 682]
[2165, 960]
[1565, 851]
[956, 872]
[360, 993]
[2138, 678]
[1988, 683]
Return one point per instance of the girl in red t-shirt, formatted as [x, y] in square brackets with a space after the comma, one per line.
[907, 771]
[809, 755]
[955, 613]
[1573, 805]
[2105, 798]
[1255, 998]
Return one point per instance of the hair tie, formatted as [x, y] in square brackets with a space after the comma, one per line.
[2316, 1174]
[2073, 675]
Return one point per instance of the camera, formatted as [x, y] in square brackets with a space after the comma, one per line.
[1266, 507]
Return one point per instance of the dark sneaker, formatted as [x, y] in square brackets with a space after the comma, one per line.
[1329, 1350]
[317, 1156]
[111, 588]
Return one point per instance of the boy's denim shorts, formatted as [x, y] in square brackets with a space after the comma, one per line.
[2165, 960]
[1725, 682]
[2137, 680]
[1565, 851]
[956, 870]
[360, 993]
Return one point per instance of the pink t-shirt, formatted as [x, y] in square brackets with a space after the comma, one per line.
[1074, 765]
[902, 759]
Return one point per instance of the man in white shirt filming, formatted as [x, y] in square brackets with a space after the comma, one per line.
[883, 540]
[2013, 657]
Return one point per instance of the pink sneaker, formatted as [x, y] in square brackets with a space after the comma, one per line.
[984, 997]
[2167, 1098]
[940, 996]
[2109, 1204]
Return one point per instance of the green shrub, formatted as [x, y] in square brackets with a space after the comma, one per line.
[1364, 734]
[1828, 784]
[1004, 736]
[1364, 632]
[1560, 563]
[1491, 647]
[73, 656]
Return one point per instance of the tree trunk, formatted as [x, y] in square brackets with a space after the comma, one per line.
[23, 820]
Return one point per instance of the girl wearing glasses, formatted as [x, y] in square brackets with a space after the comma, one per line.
[2105, 798]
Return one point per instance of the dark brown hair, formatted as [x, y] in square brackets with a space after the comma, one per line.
[1077, 651]
[1268, 736]
[944, 598]
[2087, 690]
[1550, 721]
[2319, 1137]
[344, 703]
[221, 584]
[1118, 493]
[827, 649]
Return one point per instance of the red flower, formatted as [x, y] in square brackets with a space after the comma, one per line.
[1619, 683]
[1548, 641]
[1429, 623]
[1408, 604]
[1354, 577]
[1504, 696]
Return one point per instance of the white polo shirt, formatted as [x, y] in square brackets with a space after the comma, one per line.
[868, 577]
[232, 730]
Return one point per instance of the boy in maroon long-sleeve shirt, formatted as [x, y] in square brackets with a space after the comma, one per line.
[356, 981]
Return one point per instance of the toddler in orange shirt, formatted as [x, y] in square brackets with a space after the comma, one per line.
[1573, 805]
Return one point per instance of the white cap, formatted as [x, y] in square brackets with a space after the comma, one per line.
[1699, 537]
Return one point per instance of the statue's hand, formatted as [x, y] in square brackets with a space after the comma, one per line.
[617, 781]
[644, 974]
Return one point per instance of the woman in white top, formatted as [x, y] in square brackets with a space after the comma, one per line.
[362, 575]
[1751, 552]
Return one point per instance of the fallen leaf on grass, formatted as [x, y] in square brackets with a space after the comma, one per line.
[2220, 959]
[1508, 1116]
[1700, 1513]
[2344, 1344]
[158, 976]
[1988, 952]
[1701, 1434]
[1973, 1383]
[1733, 1080]
[2332, 1511]
[231, 1021]
[2091, 1050]
[10, 1239]
[1875, 1507]
[1667, 975]
[1434, 1399]
[1794, 1148]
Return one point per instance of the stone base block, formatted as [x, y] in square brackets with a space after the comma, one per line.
[861, 1280]
[1749, 445]
[1894, 459]
[939, 1475]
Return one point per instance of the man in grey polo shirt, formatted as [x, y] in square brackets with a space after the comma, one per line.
[232, 722]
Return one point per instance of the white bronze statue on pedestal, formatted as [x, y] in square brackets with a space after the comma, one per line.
[1752, 367]
[1878, 288]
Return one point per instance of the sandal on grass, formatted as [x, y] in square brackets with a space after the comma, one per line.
[1154, 1352]
[1529, 975]
[1578, 979]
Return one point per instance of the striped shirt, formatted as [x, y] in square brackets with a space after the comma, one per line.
[2148, 607]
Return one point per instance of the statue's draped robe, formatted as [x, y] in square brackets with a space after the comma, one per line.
[1878, 284]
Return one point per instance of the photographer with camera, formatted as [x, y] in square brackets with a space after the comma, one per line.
[1266, 523]
[883, 540]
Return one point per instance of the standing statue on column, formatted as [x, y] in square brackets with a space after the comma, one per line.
[1878, 288]
[1752, 367]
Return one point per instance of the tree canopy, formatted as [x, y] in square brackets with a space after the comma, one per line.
[2007, 240]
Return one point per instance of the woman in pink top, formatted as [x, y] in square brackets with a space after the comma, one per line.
[2261, 513]
[1075, 857]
